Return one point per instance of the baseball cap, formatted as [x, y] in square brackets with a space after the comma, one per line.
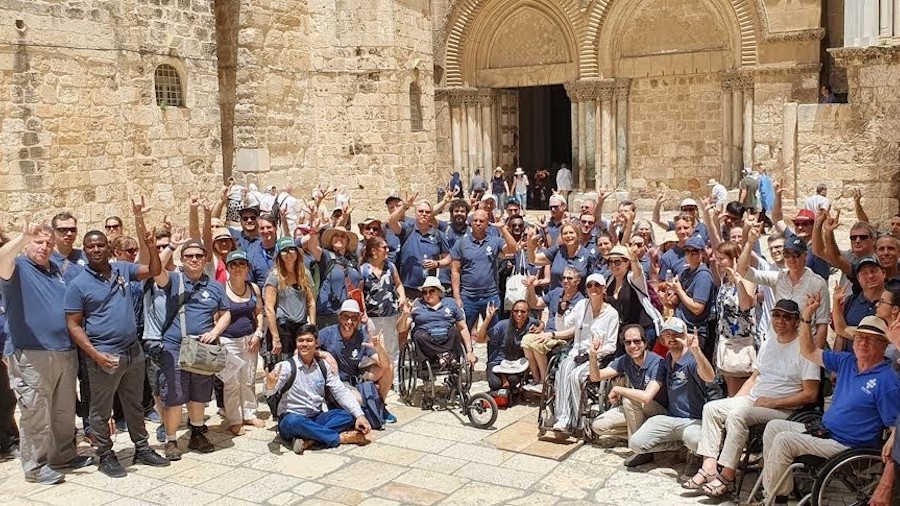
[557, 200]
[688, 203]
[868, 259]
[349, 306]
[235, 255]
[805, 215]
[695, 243]
[795, 244]
[871, 325]
[192, 244]
[513, 202]
[595, 277]
[392, 197]
[788, 306]
[675, 325]
[249, 209]
[284, 243]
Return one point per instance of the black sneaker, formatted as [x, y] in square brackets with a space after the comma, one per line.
[172, 451]
[149, 457]
[199, 443]
[110, 466]
[76, 463]
[638, 459]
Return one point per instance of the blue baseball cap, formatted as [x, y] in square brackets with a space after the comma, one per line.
[695, 243]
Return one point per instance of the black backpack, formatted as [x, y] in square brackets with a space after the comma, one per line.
[275, 399]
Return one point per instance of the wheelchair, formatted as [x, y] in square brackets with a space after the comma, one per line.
[480, 408]
[846, 479]
[594, 397]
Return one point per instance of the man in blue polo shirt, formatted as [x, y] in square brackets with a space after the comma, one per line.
[44, 363]
[71, 260]
[866, 401]
[97, 304]
[475, 261]
[199, 302]
[673, 259]
[423, 248]
[646, 396]
[687, 372]
[693, 289]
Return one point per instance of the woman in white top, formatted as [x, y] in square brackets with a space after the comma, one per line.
[519, 188]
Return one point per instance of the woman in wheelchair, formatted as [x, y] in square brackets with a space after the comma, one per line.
[782, 380]
[591, 320]
[439, 324]
[504, 342]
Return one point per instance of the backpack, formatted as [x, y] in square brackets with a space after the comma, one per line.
[372, 404]
[275, 399]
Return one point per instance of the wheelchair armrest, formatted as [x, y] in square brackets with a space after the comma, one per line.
[806, 415]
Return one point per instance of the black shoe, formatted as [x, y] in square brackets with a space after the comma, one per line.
[200, 443]
[149, 457]
[638, 459]
[76, 463]
[110, 466]
[172, 451]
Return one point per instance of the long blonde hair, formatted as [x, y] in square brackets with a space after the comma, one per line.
[299, 270]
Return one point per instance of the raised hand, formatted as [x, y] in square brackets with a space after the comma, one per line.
[831, 223]
[838, 296]
[150, 239]
[812, 304]
[779, 186]
[139, 207]
[857, 194]
[33, 229]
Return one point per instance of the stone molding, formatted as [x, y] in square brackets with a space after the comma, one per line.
[858, 56]
[461, 96]
[584, 90]
[786, 70]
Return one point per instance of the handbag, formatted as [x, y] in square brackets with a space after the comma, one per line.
[736, 356]
[194, 356]
[515, 284]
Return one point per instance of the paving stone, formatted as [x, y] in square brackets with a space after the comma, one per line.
[407, 494]
[364, 475]
[231, 480]
[496, 474]
[197, 474]
[308, 488]
[377, 501]
[310, 465]
[536, 499]
[284, 499]
[482, 494]
[172, 493]
[73, 493]
[530, 463]
[416, 442]
[575, 480]
[131, 486]
[264, 488]
[445, 431]
[439, 463]
[342, 495]
[387, 453]
[476, 453]
[431, 480]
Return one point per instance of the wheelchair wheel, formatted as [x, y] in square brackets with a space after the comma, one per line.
[408, 370]
[547, 407]
[848, 479]
[594, 402]
[481, 410]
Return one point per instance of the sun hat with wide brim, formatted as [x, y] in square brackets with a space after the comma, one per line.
[511, 366]
[328, 238]
[870, 325]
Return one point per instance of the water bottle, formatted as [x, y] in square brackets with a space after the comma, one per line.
[669, 276]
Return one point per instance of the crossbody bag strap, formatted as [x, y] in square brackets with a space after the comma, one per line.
[181, 303]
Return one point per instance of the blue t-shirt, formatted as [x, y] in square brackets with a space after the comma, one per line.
[766, 192]
[700, 230]
[416, 246]
[261, 261]
[437, 320]
[863, 404]
[243, 242]
[699, 286]
[70, 265]
[672, 260]
[653, 369]
[347, 352]
[560, 259]
[685, 388]
[816, 264]
[856, 307]
[106, 305]
[478, 265]
[895, 453]
[34, 307]
[202, 300]
[452, 237]
[335, 273]
[551, 300]
[500, 350]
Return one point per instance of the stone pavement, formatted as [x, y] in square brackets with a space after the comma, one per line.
[428, 457]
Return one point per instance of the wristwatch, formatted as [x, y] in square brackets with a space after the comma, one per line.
[553, 334]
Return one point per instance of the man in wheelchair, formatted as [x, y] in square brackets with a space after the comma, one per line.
[646, 394]
[866, 400]
[439, 325]
[782, 380]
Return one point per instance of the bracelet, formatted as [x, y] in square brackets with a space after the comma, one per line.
[553, 334]
[172, 247]
[808, 322]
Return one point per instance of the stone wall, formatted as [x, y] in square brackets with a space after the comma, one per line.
[675, 132]
[323, 97]
[81, 128]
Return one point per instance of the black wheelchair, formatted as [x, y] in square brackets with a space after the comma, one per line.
[480, 408]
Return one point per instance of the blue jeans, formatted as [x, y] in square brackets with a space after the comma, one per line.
[324, 428]
[523, 200]
[478, 306]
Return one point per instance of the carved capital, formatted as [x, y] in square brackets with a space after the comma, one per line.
[461, 97]
[623, 87]
[729, 81]
[581, 90]
[849, 57]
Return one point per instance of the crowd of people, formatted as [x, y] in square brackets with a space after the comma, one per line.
[709, 334]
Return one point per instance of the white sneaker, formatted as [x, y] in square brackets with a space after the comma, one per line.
[533, 387]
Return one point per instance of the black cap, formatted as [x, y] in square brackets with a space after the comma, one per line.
[250, 209]
[795, 244]
[392, 197]
[788, 306]
[192, 244]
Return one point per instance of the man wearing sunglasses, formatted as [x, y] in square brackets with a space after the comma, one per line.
[557, 218]
[71, 260]
[693, 289]
[862, 245]
[803, 228]
[249, 233]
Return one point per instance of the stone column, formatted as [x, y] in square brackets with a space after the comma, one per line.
[474, 130]
[456, 125]
[623, 89]
[581, 94]
[895, 10]
[576, 169]
[747, 87]
[727, 124]
[606, 135]
[737, 132]
[486, 101]
[886, 18]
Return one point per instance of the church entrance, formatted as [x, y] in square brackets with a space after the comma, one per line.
[545, 138]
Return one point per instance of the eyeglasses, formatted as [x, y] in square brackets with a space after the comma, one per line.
[791, 254]
[248, 218]
[587, 222]
[349, 317]
[112, 227]
[568, 278]
[638, 244]
[880, 302]
[860, 237]
[778, 315]
[372, 229]
[67, 230]
[594, 284]
[240, 264]
[423, 211]
[629, 342]
[691, 252]
[519, 311]
[288, 251]
[194, 256]
[617, 262]
[868, 339]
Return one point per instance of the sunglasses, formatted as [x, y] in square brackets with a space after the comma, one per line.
[372, 229]
[594, 284]
[860, 237]
[194, 256]
[288, 251]
[629, 342]
[248, 218]
[691, 252]
[616, 262]
[430, 290]
[587, 222]
[778, 315]
[130, 251]
[791, 254]
[67, 230]
[238, 264]
[554, 208]
[112, 227]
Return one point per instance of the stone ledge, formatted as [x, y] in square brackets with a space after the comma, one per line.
[857, 56]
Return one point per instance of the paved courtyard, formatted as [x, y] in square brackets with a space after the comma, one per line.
[428, 457]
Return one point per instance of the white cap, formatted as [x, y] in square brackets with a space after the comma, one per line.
[595, 277]
[349, 306]
[489, 196]
[712, 182]
[431, 282]
[688, 202]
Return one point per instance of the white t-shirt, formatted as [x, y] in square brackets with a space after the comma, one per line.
[604, 327]
[816, 202]
[782, 370]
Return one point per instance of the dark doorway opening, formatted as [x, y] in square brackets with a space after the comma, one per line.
[545, 137]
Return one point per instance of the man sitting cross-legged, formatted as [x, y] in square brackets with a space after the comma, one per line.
[646, 373]
[300, 415]
[782, 380]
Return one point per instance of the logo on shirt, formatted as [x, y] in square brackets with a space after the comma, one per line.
[870, 385]
[679, 377]
[354, 354]
[448, 311]
[204, 294]
[488, 250]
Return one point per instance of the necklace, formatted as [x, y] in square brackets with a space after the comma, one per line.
[241, 295]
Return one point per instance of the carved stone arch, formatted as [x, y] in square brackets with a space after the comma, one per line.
[741, 17]
[474, 23]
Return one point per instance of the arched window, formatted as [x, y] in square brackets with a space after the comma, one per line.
[168, 87]
[415, 108]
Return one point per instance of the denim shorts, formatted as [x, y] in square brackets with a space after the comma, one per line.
[177, 387]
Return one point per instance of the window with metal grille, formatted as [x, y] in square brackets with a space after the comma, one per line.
[168, 87]
[415, 108]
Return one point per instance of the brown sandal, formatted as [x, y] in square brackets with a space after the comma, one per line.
[693, 484]
[718, 487]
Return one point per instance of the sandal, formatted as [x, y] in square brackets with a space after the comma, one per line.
[693, 484]
[718, 487]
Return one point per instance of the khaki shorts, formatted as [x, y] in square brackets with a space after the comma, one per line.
[530, 342]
